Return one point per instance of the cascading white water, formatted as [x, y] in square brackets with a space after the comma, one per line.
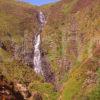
[37, 55]
[42, 18]
[37, 52]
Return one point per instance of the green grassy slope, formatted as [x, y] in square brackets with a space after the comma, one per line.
[69, 37]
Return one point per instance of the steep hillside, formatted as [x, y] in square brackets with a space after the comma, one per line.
[68, 40]
[18, 26]
[83, 81]
[17, 20]
[70, 33]
[69, 47]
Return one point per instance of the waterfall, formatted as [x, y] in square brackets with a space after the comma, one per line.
[37, 43]
[42, 18]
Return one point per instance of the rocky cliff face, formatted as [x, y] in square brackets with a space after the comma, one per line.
[69, 49]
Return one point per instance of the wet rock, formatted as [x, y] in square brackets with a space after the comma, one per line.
[7, 90]
[23, 90]
[48, 74]
[2, 46]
